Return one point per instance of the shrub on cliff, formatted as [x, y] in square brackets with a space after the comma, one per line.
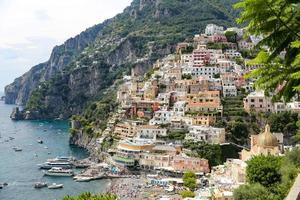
[89, 196]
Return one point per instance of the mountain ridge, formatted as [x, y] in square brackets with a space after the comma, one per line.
[146, 31]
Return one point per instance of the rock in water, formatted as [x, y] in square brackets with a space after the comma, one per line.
[16, 114]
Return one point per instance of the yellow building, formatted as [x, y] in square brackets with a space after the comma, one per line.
[264, 143]
[151, 92]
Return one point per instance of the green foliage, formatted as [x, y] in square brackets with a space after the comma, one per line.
[230, 151]
[177, 135]
[264, 170]
[147, 33]
[187, 194]
[89, 196]
[238, 132]
[293, 157]
[272, 176]
[211, 152]
[284, 122]
[189, 180]
[251, 192]
[187, 50]
[278, 22]
[186, 76]
[212, 45]
[95, 116]
[149, 73]
[231, 36]
[216, 76]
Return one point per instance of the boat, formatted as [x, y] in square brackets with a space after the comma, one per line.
[58, 171]
[49, 165]
[17, 149]
[62, 159]
[39, 185]
[55, 186]
[83, 179]
[40, 141]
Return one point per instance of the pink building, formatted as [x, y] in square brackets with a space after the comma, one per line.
[218, 38]
[201, 56]
[258, 102]
[183, 164]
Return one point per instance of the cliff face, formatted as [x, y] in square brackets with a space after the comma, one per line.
[20, 90]
[79, 70]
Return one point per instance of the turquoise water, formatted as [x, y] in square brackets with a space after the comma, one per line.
[19, 169]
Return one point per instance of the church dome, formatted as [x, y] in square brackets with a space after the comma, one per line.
[267, 139]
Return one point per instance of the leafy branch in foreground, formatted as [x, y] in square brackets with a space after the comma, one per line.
[277, 21]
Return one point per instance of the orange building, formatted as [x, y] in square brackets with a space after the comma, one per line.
[207, 101]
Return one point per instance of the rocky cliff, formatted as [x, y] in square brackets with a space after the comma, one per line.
[80, 70]
[20, 90]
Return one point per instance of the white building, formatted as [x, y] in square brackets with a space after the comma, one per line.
[150, 132]
[224, 65]
[207, 134]
[212, 29]
[161, 117]
[245, 45]
[237, 30]
[208, 71]
[232, 53]
[291, 106]
[164, 98]
[187, 58]
[179, 108]
[229, 91]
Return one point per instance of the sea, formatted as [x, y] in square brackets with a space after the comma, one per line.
[20, 170]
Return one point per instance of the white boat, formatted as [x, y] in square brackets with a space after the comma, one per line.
[55, 186]
[49, 165]
[58, 171]
[62, 159]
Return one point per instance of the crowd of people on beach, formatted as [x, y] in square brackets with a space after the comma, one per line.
[128, 189]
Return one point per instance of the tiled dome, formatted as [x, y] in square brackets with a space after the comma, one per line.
[267, 139]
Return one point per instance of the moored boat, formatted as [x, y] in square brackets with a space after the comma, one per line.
[62, 159]
[58, 171]
[55, 186]
[17, 149]
[49, 165]
[39, 185]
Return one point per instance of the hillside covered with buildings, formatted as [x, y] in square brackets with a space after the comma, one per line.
[193, 111]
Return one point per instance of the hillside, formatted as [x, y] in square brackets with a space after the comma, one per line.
[80, 69]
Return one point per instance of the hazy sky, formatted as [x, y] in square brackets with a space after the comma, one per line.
[29, 29]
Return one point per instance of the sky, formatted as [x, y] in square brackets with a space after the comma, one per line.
[29, 29]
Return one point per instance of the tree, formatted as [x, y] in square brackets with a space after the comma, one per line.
[285, 122]
[264, 170]
[251, 192]
[89, 196]
[277, 21]
[186, 76]
[187, 194]
[190, 180]
[293, 157]
[231, 36]
[211, 152]
[239, 132]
